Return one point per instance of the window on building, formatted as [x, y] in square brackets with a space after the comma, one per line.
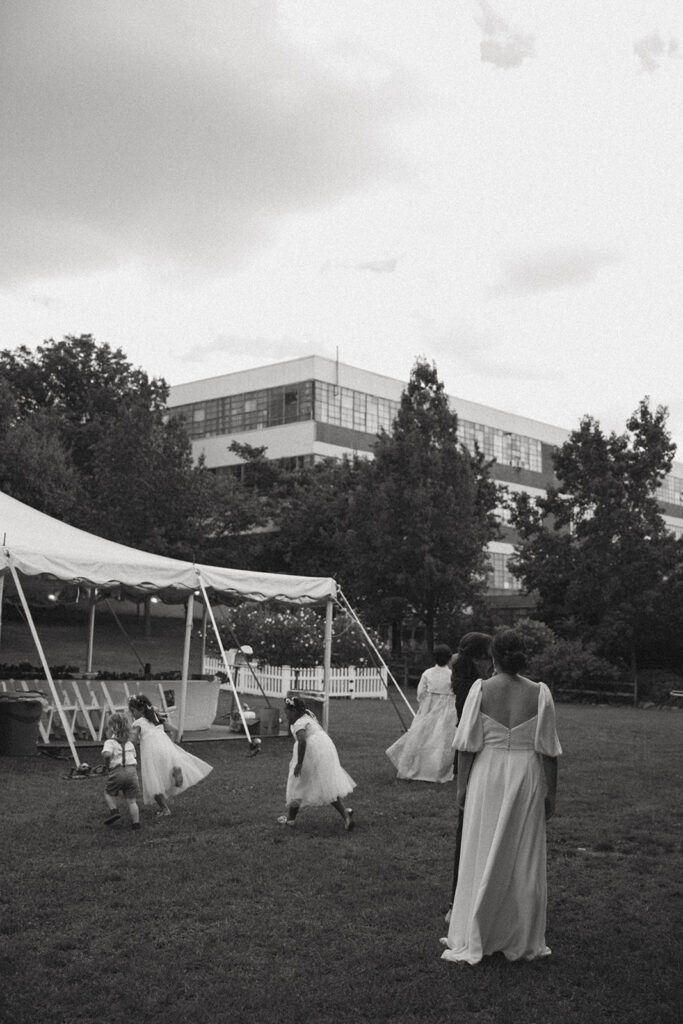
[505, 447]
[671, 490]
[500, 577]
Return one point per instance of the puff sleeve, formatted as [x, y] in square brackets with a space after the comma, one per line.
[470, 732]
[546, 740]
[423, 686]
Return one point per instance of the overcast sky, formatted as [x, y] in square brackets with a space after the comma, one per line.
[217, 184]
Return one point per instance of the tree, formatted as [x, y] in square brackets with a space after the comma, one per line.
[596, 548]
[35, 466]
[114, 463]
[315, 534]
[84, 383]
[422, 513]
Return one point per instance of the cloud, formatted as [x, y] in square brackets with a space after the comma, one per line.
[552, 269]
[382, 266]
[475, 353]
[173, 133]
[501, 44]
[652, 48]
[378, 266]
[237, 346]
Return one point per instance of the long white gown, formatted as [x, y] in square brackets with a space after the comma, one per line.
[425, 751]
[501, 895]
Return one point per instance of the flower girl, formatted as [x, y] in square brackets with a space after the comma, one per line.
[316, 777]
[166, 768]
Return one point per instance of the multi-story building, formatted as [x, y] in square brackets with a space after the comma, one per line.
[308, 409]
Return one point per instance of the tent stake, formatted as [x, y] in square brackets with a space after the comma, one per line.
[48, 675]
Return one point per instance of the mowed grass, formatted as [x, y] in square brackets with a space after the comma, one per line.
[219, 914]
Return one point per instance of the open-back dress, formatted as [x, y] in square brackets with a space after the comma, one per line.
[500, 899]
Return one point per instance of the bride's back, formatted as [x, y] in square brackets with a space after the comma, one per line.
[508, 697]
[510, 700]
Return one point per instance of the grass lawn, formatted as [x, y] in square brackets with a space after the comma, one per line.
[218, 914]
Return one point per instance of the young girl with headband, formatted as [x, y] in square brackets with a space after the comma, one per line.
[316, 778]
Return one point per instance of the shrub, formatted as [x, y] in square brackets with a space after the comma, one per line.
[293, 637]
[536, 635]
[568, 664]
[655, 684]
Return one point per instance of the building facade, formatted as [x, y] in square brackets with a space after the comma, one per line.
[308, 409]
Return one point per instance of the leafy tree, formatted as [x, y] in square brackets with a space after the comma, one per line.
[422, 513]
[596, 548]
[84, 383]
[35, 466]
[99, 425]
[315, 522]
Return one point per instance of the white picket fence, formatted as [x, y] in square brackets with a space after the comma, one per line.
[278, 680]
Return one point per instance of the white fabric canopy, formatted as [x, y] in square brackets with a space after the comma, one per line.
[37, 545]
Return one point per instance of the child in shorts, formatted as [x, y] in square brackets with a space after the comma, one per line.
[120, 762]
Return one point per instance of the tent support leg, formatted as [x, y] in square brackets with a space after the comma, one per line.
[254, 744]
[327, 663]
[91, 631]
[189, 620]
[46, 668]
[372, 647]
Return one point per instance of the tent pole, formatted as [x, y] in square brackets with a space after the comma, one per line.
[91, 630]
[205, 621]
[189, 619]
[327, 663]
[207, 604]
[46, 668]
[373, 648]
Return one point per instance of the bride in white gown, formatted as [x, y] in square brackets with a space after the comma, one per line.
[507, 776]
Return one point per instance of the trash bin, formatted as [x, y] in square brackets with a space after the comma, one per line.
[270, 721]
[19, 721]
[313, 701]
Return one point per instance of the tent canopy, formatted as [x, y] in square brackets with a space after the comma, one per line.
[42, 548]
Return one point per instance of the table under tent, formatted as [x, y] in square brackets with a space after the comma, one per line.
[42, 555]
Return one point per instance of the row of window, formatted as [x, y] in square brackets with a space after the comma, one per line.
[671, 490]
[343, 407]
[505, 447]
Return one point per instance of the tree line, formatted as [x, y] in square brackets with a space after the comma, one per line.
[88, 438]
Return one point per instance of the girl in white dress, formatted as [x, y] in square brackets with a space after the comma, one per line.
[507, 778]
[166, 768]
[425, 751]
[316, 777]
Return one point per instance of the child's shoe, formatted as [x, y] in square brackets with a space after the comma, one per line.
[349, 823]
[135, 824]
[114, 816]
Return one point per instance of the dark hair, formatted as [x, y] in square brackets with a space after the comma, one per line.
[296, 704]
[464, 672]
[141, 704]
[442, 654]
[471, 646]
[508, 651]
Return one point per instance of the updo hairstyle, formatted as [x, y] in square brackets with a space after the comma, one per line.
[442, 654]
[508, 651]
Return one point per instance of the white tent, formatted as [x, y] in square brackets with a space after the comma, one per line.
[37, 550]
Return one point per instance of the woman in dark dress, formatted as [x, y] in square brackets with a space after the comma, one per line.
[471, 661]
